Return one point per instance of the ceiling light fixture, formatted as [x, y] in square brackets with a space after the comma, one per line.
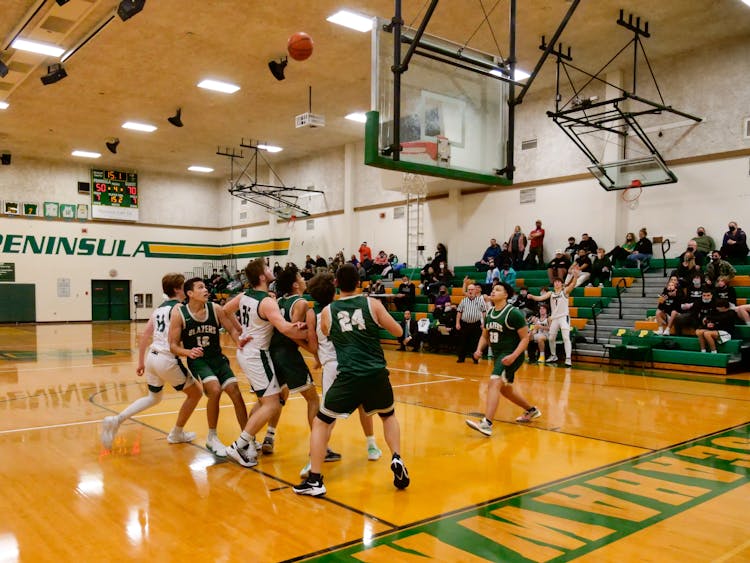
[747, 2]
[176, 119]
[4, 105]
[218, 86]
[269, 148]
[37, 47]
[518, 75]
[55, 73]
[204, 169]
[112, 144]
[351, 20]
[86, 154]
[277, 68]
[145, 127]
[357, 116]
[128, 8]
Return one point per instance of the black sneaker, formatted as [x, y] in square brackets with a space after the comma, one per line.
[267, 445]
[243, 456]
[400, 474]
[311, 488]
[332, 456]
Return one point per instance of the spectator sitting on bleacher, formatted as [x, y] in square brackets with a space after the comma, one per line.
[722, 290]
[620, 254]
[572, 249]
[492, 272]
[441, 334]
[427, 277]
[690, 319]
[442, 299]
[734, 244]
[411, 336]
[377, 290]
[686, 268]
[582, 266]
[380, 263]
[277, 269]
[698, 256]
[508, 274]
[718, 267]
[668, 305]
[309, 262]
[558, 266]
[354, 261]
[704, 243]
[601, 269]
[539, 333]
[406, 296]
[320, 262]
[588, 244]
[643, 249]
[444, 277]
[394, 267]
[717, 325]
[522, 301]
[492, 252]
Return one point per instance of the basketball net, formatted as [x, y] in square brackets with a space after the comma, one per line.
[630, 195]
[291, 222]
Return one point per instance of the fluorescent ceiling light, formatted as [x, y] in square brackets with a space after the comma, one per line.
[36, 47]
[86, 154]
[204, 169]
[4, 105]
[218, 86]
[270, 148]
[351, 20]
[139, 126]
[746, 2]
[520, 75]
[357, 116]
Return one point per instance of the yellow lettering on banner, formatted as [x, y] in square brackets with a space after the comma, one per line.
[732, 442]
[649, 487]
[582, 498]
[703, 452]
[504, 534]
[674, 466]
[429, 547]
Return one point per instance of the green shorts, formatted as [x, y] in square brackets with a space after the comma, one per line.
[506, 373]
[347, 392]
[214, 368]
[291, 369]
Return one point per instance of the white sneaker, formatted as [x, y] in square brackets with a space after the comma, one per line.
[480, 426]
[660, 331]
[180, 437]
[552, 359]
[568, 363]
[529, 415]
[214, 445]
[373, 453]
[110, 424]
[305, 472]
[246, 457]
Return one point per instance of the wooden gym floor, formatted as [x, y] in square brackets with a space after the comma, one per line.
[620, 467]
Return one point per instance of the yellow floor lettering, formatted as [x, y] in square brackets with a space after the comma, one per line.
[533, 521]
[704, 452]
[675, 466]
[432, 547]
[649, 487]
[504, 534]
[582, 498]
[387, 554]
[732, 442]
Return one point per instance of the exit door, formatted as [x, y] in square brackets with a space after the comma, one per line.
[110, 300]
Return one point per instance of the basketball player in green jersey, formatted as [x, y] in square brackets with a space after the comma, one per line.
[353, 324]
[506, 332]
[194, 333]
[160, 366]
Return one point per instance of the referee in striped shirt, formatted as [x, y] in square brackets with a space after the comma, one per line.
[469, 320]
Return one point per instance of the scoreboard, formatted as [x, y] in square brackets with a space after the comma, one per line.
[114, 195]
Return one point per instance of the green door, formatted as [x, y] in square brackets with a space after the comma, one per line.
[18, 303]
[110, 300]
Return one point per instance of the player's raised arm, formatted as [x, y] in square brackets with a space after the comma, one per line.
[384, 318]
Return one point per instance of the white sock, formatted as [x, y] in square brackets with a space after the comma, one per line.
[371, 441]
[211, 432]
[139, 405]
[270, 431]
[245, 439]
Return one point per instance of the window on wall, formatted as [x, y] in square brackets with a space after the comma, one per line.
[243, 233]
[243, 215]
[398, 212]
[310, 224]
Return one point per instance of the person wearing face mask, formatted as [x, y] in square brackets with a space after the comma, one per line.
[719, 267]
[667, 308]
[703, 242]
[717, 326]
[734, 245]
[687, 319]
[722, 290]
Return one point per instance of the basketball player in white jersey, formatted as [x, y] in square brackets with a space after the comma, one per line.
[559, 318]
[259, 314]
[160, 367]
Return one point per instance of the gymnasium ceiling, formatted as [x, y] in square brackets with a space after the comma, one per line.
[144, 68]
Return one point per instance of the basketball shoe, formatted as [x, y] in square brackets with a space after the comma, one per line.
[244, 456]
[529, 415]
[110, 424]
[400, 474]
[214, 445]
[482, 426]
[310, 487]
[180, 437]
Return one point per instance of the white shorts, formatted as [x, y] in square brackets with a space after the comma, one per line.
[560, 323]
[330, 371]
[541, 336]
[724, 336]
[163, 367]
[259, 372]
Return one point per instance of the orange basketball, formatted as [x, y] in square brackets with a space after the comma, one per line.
[300, 46]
